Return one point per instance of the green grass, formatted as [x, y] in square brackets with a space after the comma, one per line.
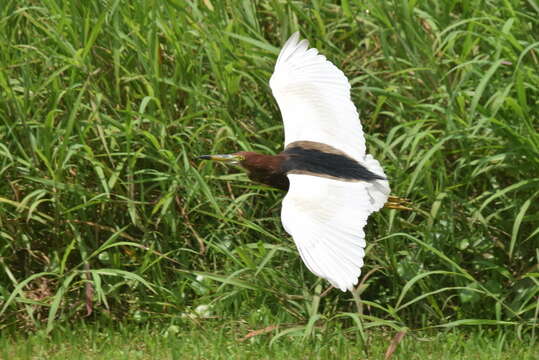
[214, 341]
[104, 214]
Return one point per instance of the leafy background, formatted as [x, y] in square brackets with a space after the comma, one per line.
[105, 215]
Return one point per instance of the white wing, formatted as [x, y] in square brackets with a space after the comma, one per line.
[314, 98]
[326, 217]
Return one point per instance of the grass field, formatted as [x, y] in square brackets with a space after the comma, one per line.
[228, 342]
[105, 216]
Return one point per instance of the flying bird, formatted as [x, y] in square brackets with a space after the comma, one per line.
[332, 184]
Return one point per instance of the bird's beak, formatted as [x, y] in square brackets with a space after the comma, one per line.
[227, 158]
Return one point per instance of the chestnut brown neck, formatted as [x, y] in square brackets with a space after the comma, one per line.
[265, 169]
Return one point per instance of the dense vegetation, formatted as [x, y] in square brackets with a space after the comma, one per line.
[104, 214]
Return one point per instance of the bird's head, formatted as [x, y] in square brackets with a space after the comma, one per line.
[250, 161]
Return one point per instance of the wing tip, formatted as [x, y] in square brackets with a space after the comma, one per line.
[345, 286]
[288, 46]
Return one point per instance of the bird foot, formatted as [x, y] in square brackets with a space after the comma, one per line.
[398, 203]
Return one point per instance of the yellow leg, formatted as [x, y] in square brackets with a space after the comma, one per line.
[398, 203]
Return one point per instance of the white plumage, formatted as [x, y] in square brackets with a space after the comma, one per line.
[324, 216]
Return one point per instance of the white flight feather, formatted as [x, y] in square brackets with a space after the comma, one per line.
[325, 217]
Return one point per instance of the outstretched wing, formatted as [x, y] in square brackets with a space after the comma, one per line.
[325, 217]
[314, 98]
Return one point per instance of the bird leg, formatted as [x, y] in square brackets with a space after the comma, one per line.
[398, 203]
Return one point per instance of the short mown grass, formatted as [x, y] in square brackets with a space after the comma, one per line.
[215, 341]
[105, 216]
